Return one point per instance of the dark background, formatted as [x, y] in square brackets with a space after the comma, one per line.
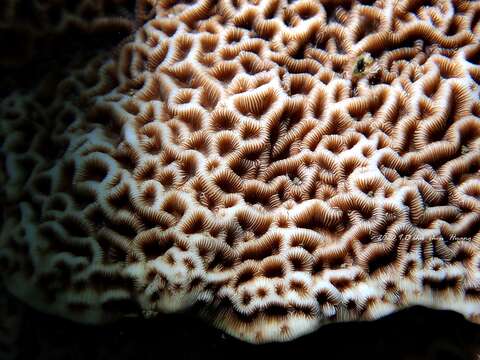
[415, 333]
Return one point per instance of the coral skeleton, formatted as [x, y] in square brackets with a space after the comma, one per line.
[270, 165]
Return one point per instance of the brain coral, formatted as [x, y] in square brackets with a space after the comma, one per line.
[272, 166]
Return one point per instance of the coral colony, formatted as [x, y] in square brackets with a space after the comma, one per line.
[273, 166]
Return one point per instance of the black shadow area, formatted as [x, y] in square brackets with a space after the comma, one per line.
[415, 333]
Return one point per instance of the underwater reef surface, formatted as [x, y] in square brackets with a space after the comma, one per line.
[270, 166]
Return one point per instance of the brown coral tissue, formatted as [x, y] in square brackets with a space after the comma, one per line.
[268, 165]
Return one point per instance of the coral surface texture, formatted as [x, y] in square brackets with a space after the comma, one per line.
[269, 165]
